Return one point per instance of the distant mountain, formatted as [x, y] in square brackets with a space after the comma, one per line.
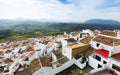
[20, 25]
[102, 21]
[11, 23]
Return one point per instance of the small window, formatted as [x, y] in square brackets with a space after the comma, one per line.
[99, 66]
[116, 67]
[98, 58]
[80, 35]
[97, 44]
[104, 62]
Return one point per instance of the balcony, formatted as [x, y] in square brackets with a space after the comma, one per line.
[81, 62]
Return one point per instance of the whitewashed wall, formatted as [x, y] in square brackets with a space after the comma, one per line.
[67, 52]
[81, 66]
[116, 49]
[113, 61]
[103, 46]
[8, 55]
[88, 31]
[56, 70]
[50, 49]
[63, 42]
[54, 57]
[94, 63]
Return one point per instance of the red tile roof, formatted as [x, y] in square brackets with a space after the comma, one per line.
[71, 40]
[103, 52]
[116, 56]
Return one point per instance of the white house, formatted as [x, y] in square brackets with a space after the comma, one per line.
[88, 31]
[41, 47]
[69, 41]
[112, 68]
[73, 50]
[105, 47]
[103, 42]
[28, 57]
[115, 63]
[10, 68]
[56, 54]
[50, 47]
[75, 35]
[8, 54]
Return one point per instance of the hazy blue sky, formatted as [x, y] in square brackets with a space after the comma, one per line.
[60, 10]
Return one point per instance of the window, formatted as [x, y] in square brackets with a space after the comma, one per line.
[104, 62]
[97, 44]
[99, 66]
[80, 35]
[116, 67]
[98, 58]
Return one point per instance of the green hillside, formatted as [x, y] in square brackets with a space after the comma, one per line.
[16, 30]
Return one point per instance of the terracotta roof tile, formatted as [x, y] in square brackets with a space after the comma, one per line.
[116, 56]
[71, 40]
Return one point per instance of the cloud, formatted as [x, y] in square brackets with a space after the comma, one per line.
[65, 1]
[109, 4]
[60, 10]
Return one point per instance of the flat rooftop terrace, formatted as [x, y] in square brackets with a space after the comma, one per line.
[75, 45]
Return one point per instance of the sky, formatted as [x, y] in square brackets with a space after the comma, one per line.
[60, 10]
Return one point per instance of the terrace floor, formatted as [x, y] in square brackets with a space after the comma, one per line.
[25, 72]
[74, 70]
[104, 72]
